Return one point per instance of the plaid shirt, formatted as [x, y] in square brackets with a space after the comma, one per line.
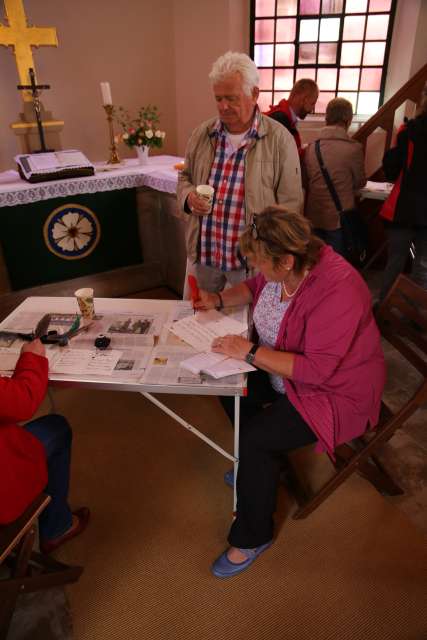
[220, 231]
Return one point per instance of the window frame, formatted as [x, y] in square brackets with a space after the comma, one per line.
[316, 65]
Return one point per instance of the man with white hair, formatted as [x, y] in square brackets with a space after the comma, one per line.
[250, 161]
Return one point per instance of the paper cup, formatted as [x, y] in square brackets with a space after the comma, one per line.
[206, 192]
[85, 301]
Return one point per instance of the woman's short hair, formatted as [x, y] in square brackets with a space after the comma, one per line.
[234, 62]
[276, 232]
[339, 110]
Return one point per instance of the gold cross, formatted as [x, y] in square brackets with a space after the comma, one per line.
[22, 37]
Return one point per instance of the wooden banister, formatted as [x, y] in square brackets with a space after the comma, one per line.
[384, 117]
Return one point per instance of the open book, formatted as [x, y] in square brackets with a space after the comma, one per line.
[38, 167]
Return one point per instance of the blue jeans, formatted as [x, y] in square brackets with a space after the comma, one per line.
[55, 434]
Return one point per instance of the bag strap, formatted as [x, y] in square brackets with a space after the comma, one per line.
[327, 178]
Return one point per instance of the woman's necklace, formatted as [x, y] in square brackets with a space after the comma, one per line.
[291, 295]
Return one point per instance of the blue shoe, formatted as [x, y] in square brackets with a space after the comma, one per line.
[224, 568]
[229, 478]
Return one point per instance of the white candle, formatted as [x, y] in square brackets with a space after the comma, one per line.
[106, 93]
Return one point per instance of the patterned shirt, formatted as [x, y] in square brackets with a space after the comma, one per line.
[268, 316]
[220, 231]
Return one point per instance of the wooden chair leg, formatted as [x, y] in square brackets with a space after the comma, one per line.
[31, 571]
[11, 589]
[8, 598]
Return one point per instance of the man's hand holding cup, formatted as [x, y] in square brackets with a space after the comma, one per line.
[201, 200]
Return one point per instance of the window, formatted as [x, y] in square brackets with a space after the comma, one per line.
[341, 44]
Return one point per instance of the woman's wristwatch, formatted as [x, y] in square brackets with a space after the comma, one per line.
[250, 356]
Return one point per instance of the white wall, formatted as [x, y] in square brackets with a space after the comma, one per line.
[203, 31]
[158, 52]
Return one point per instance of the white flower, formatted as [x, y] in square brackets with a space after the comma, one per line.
[163, 134]
[158, 133]
[125, 136]
[149, 134]
[72, 232]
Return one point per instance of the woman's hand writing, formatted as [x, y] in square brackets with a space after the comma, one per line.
[233, 346]
[206, 301]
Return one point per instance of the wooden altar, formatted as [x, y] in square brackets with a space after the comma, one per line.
[149, 253]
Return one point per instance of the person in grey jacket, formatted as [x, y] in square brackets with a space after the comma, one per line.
[344, 161]
[251, 162]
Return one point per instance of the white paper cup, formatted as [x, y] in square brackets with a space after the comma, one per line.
[206, 192]
[84, 299]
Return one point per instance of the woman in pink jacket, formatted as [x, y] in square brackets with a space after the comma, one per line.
[319, 359]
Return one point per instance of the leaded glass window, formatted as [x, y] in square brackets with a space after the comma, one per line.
[341, 44]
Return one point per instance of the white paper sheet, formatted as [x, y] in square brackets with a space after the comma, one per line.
[216, 365]
[201, 329]
[81, 361]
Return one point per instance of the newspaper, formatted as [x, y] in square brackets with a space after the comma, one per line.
[132, 336]
[165, 368]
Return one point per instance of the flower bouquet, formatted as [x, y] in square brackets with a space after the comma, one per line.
[142, 131]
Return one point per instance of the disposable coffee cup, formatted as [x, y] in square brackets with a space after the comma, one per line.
[206, 192]
[84, 299]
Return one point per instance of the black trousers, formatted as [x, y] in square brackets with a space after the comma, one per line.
[267, 433]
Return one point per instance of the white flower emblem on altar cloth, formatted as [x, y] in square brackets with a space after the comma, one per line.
[72, 232]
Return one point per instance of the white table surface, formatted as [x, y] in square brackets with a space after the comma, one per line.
[132, 306]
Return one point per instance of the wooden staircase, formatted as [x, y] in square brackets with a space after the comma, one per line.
[384, 118]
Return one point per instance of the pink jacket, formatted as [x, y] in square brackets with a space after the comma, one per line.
[339, 370]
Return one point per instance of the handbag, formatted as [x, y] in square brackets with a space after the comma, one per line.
[354, 229]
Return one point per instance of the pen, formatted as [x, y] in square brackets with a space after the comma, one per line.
[195, 296]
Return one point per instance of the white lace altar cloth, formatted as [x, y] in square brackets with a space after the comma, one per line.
[158, 174]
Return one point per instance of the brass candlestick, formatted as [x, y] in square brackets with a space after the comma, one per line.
[114, 156]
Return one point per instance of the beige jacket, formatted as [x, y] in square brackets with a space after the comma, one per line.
[343, 158]
[272, 173]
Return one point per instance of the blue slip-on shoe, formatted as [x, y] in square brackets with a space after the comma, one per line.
[224, 568]
[229, 478]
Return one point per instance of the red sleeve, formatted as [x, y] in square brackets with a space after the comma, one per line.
[21, 395]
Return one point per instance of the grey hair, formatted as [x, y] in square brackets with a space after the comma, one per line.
[339, 110]
[234, 62]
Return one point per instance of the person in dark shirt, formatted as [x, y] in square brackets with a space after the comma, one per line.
[406, 218]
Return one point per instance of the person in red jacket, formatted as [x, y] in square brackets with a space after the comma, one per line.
[35, 457]
[302, 100]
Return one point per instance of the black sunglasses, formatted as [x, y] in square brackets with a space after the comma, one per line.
[255, 231]
[256, 236]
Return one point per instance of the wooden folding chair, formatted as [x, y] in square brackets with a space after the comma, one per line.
[402, 319]
[27, 571]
